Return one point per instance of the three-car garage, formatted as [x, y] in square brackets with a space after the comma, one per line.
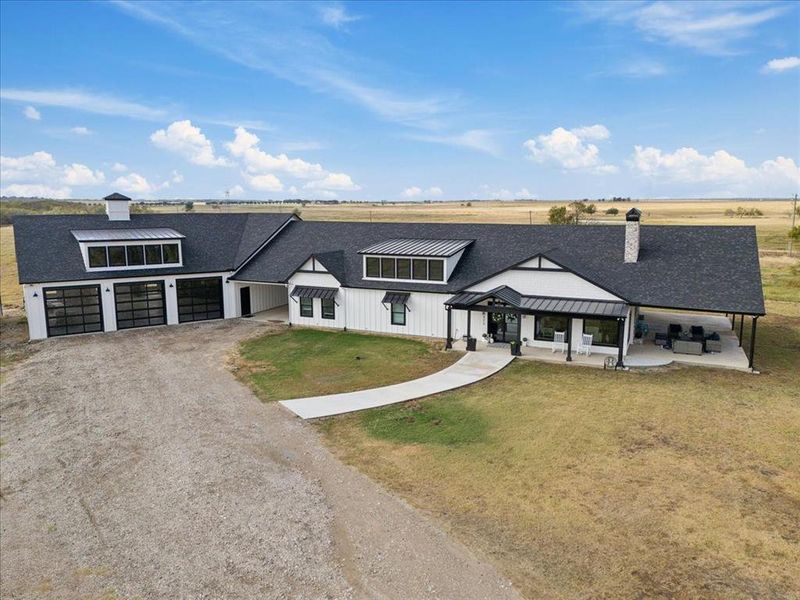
[73, 309]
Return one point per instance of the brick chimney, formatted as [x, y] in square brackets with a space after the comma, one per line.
[632, 235]
[117, 207]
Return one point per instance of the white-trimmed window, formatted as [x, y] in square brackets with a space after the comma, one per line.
[398, 314]
[132, 255]
[412, 269]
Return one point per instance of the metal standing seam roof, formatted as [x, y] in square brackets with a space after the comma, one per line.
[113, 235]
[417, 247]
[395, 298]
[544, 304]
[305, 291]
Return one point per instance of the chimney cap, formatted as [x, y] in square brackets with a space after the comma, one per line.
[633, 214]
[117, 196]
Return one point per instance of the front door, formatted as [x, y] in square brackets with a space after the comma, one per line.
[503, 326]
[244, 296]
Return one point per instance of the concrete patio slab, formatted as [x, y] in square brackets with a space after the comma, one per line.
[472, 367]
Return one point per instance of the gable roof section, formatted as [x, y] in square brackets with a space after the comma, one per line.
[47, 251]
[712, 268]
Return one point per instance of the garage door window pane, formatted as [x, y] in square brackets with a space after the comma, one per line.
[199, 299]
[73, 310]
[139, 304]
[97, 257]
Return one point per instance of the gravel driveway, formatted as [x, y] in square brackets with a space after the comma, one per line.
[134, 465]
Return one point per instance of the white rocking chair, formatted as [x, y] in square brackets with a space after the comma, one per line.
[559, 341]
[585, 347]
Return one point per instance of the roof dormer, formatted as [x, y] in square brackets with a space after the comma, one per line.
[413, 260]
[122, 249]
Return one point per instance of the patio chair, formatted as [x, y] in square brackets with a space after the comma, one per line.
[674, 331]
[698, 333]
[559, 341]
[585, 347]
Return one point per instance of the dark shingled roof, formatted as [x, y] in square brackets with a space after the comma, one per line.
[47, 250]
[709, 268]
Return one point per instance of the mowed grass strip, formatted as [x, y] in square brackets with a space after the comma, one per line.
[297, 362]
[579, 483]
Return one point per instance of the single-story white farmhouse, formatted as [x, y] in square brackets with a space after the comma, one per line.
[526, 285]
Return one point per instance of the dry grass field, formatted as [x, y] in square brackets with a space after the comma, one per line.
[771, 227]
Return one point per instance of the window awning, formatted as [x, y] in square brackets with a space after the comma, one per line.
[395, 298]
[304, 291]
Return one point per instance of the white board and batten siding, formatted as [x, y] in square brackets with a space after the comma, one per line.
[426, 315]
[318, 279]
[556, 283]
[37, 320]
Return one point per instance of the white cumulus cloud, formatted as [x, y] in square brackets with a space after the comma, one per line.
[134, 183]
[417, 192]
[183, 138]
[779, 65]
[36, 166]
[486, 192]
[721, 169]
[236, 191]
[264, 183]
[119, 167]
[31, 113]
[333, 181]
[570, 148]
[35, 190]
[80, 130]
[78, 174]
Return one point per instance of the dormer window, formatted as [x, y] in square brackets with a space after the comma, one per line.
[119, 249]
[413, 260]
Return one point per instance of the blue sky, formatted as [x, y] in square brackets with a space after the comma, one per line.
[375, 101]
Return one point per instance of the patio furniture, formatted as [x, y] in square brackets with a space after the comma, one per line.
[585, 347]
[559, 341]
[674, 331]
[713, 345]
[687, 347]
[471, 344]
[660, 339]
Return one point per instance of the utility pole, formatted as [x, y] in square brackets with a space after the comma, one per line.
[794, 216]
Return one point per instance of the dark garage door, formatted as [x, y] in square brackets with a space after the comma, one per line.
[199, 299]
[73, 310]
[140, 304]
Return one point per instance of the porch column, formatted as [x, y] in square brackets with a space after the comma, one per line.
[733, 322]
[621, 342]
[469, 323]
[449, 344]
[569, 340]
[753, 341]
[519, 335]
[741, 329]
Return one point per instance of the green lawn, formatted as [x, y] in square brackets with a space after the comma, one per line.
[578, 483]
[309, 362]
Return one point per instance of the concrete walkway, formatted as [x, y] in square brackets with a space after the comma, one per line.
[472, 367]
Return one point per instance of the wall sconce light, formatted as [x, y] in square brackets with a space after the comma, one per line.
[108, 289]
[35, 294]
[227, 281]
[170, 285]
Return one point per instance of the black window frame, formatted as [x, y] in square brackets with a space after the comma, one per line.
[537, 335]
[328, 303]
[81, 297]
[199, 299]
[372, 267]
[123, 255]
[439, 262]
[104, 250]
[164, 254]
[147, 249]
[128, 306]
[388, 268]
[398, 313]
[595, 342]
[130, 250]
[307, 311]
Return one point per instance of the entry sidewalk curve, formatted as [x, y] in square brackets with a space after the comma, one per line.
[472, 367]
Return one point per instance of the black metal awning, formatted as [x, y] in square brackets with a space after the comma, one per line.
[305, 291]
[541, 304]
[395, 298]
